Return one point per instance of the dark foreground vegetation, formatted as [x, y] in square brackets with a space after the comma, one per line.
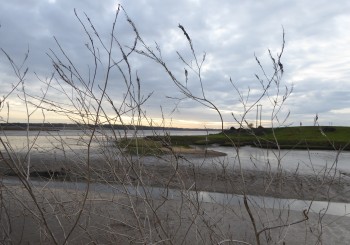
[306, 137]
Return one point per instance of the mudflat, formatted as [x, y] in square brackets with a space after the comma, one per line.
[186, 170]
[47, 214]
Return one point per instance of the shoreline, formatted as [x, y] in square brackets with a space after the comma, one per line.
[159, 172]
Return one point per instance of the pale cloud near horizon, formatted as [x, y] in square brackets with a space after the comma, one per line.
[316, 56]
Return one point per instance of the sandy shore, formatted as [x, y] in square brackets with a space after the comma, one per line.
[47, 213]
[110, 219]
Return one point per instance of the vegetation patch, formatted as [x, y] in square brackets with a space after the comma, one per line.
[306, 137]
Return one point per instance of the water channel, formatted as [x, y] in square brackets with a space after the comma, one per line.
[250, 158]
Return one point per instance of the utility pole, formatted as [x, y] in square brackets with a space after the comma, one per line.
[260, 113]
[257, 115]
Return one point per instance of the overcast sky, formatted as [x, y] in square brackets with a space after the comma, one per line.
[316, 57]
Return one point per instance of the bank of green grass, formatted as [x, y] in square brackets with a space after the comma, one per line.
[327, 138]
[143, 146]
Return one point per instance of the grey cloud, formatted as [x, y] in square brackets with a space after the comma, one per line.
[230, 33]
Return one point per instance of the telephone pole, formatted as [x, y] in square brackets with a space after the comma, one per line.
[260, 114]
[256, 119]
[257, 115]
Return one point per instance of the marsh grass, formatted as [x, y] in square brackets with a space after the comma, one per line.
[313, 137]
[142, 146]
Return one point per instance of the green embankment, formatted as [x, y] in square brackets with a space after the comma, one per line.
[327, 138]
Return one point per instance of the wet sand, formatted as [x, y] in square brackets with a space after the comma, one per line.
[107, 218]
[110, 219]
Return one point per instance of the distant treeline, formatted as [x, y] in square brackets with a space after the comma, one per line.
[66, 126]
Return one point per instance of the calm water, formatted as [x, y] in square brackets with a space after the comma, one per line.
[313, 161]
[78, 138]
[249, 157]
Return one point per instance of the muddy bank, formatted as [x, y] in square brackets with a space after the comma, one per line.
[185, 171]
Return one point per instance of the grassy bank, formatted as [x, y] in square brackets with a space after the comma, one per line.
[307, 137]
